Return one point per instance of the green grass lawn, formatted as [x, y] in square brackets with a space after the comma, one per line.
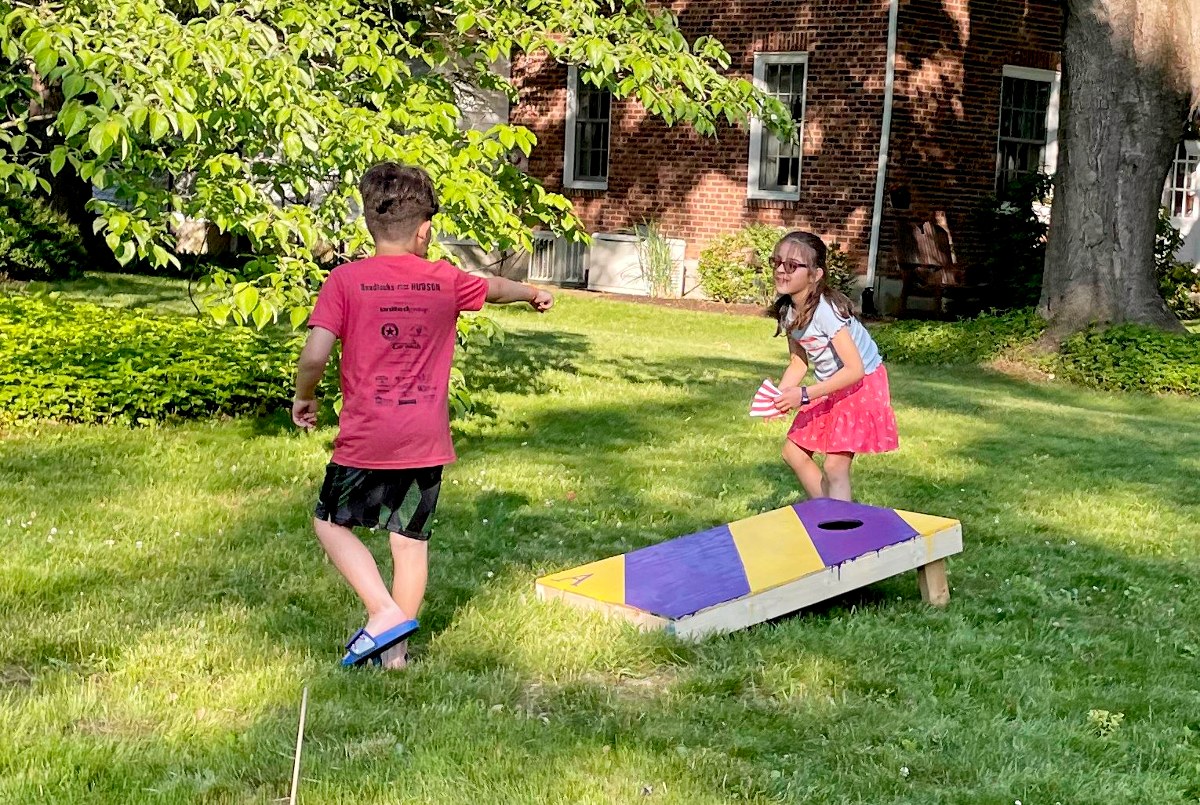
[163, 601]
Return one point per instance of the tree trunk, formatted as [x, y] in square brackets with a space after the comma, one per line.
[1122, 112]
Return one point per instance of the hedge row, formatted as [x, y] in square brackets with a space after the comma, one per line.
[77, 362]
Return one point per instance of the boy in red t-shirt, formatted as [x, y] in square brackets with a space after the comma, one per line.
[395, 314]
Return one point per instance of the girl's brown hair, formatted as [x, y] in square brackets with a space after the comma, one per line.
[807, 307]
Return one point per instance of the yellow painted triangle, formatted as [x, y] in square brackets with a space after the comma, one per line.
[926, 524]
[603, 580]
[775, 548]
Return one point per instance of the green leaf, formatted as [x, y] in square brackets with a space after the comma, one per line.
[261, 317]
[158, 125]
[99, 140]
[72, 85]
[246, 299]
[45, 61]
[297, 316]
[293, 146]
[58, 158]
[72, 120]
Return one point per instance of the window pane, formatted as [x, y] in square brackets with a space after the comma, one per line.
[779, 162]
[592, 110]
[1022, 129]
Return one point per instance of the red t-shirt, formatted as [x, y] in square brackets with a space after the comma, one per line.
[396, 317]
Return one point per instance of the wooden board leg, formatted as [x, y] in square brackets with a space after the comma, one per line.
[931, 578]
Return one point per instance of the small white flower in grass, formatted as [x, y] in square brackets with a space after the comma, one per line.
[904, 771]
[49, 539]
[485, 521]
[53, 531]
[177, 534]
[524, 444]
[138, 544]
[110, 542]
[490, 574]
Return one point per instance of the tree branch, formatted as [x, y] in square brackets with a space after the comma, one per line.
[12, 124]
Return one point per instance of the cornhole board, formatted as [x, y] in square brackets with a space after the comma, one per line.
[736, 575]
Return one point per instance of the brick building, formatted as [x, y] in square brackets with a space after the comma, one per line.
[908, 109]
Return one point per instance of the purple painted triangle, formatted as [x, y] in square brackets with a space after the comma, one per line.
[830, 524]
[685, 575]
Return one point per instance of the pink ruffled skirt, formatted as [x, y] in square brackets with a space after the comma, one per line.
[858, 419]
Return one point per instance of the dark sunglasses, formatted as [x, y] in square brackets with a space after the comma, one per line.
[789, 267]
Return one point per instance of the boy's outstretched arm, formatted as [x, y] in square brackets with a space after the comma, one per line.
[309, 369]
[503, 291]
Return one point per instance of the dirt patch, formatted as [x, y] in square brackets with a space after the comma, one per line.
[14, 676]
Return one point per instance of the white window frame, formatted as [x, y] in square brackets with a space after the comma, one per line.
[1054, 79]
[1191, 182]
[753, 186]
[569, 179]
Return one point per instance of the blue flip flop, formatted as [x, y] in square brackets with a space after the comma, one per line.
[364, 646]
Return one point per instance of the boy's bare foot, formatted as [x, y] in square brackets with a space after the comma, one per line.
[385, 619]
[396, 657]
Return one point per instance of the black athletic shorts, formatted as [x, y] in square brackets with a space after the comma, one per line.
[399, 501]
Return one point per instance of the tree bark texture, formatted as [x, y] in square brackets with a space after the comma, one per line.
[1126, 97]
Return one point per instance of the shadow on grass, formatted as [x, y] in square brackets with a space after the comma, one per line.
[827, 705]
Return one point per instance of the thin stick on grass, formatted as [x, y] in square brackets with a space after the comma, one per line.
[299, 747]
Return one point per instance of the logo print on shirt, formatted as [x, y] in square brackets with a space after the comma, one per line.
[390, 331]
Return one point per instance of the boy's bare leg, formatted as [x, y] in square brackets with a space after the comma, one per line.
[808, 472]
[837, 471]
[357, 565]
[410, 575]
[410, 572]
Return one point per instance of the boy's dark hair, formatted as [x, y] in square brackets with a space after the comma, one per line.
[396, 200]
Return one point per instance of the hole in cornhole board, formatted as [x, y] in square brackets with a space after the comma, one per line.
[840, 525]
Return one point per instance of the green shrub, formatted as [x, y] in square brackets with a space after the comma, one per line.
[736, 267]
[1133, 358]
[1012, 239]
[968, 341]
[37, 243]
[77, 362]
[1124, 358]
[838, 270]
[1178, 282]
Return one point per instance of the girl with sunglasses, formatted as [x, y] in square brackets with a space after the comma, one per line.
[848, 409]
